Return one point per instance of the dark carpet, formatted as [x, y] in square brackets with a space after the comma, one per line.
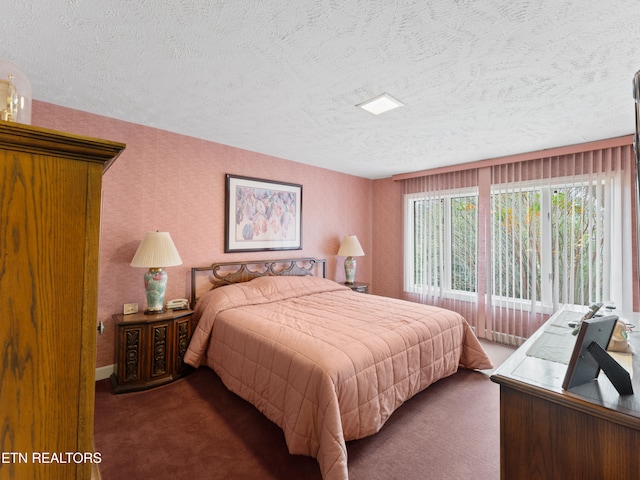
[195, 428]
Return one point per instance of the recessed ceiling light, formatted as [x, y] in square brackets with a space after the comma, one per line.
[380, 104]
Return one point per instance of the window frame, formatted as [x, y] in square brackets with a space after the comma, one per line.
[444, 289]
[546, 302]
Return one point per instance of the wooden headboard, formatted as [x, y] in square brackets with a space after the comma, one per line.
[226, 273]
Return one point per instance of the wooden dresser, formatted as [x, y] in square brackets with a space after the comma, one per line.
[549, 433]
[50, 199]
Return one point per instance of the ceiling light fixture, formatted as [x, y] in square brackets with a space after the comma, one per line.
[380, 104]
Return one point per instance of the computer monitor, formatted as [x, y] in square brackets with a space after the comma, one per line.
[590, 355]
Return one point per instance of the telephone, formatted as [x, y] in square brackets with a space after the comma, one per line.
[620, 338]
[593, 309]
[178, 304]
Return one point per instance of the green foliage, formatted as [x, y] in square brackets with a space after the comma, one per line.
[517, 240]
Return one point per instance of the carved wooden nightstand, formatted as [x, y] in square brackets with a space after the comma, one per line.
[358, 287]
[150, 349]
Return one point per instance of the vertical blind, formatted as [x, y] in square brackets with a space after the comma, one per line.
[507, 245]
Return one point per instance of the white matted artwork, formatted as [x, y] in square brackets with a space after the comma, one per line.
[262, 215]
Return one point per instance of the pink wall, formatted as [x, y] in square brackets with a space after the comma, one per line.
[387, 238]
[170, 182]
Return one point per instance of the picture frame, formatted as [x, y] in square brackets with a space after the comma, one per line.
[590, 355]
[262, 215]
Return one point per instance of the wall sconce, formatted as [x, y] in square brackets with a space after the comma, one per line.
[350, 248]
[156, 251]
[15, 95]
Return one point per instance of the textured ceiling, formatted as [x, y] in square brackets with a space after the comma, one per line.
[479, 78]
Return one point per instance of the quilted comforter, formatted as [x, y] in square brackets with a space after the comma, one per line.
[324, 363]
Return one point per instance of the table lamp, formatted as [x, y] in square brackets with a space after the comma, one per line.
[155, 252]
[350, 248]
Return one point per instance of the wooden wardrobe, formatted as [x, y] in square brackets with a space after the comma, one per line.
[50, 200]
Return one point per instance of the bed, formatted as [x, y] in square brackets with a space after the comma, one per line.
[325, 363]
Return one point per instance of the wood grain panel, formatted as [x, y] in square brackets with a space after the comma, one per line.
[544, 440]
[49, 241]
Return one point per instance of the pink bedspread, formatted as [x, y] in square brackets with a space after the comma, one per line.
[325, 363]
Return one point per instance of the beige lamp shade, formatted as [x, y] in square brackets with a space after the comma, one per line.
[156, 250]
[350, 247]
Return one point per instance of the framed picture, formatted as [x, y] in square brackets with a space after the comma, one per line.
[262, 215]
[583, 367]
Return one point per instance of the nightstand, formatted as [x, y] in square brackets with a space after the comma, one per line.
[149, 349]
[358, 287]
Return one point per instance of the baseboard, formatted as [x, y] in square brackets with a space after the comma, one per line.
[105, 372]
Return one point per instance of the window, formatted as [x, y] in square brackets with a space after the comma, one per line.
[548, 243]
[537, 234]
[427, 223]
[442, 242]
[579, 241]
[515, 240]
